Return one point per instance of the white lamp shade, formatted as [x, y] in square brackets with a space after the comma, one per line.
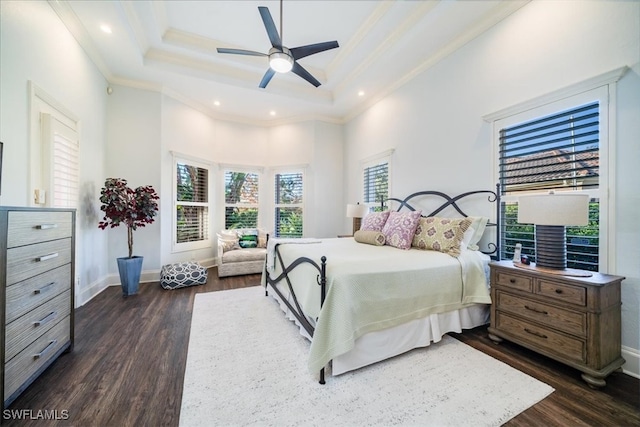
[356, 211]
[554, 209]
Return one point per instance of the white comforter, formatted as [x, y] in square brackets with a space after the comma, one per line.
[371, 288]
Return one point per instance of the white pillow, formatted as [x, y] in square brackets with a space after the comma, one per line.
[228, 234]
[474, 233]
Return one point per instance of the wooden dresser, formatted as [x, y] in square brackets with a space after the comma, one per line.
[574, 320]
[37, 251]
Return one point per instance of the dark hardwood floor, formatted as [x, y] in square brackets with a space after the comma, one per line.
[128, 363]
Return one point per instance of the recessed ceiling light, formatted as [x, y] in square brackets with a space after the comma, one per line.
[273, 113]
[105, 28]
[361, 93]
[216, 103]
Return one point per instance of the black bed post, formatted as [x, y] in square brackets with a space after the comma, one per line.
[323, 293]
[498, 221]
[266, 273]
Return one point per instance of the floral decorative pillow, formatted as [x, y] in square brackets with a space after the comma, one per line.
[400, 227]
[441, 234]
[374, 221]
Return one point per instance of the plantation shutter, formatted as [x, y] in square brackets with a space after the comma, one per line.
[376, 185]
[241, 199]
[288, 199]
[559, 152]
[61, 146]
[192, 203]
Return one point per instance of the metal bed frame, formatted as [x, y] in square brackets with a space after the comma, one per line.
[321, 278]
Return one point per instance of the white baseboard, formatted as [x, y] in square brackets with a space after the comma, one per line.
[89, 292]
[632, 358]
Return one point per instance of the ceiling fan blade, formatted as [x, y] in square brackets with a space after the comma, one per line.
[241, 52]
[302, 51]
[267, 77]
[270, 26]
[299, 70]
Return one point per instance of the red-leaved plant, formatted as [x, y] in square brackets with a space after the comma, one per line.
[122, 205]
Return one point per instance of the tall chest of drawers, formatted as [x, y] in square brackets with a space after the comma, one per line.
[37, 251]
[574, 320]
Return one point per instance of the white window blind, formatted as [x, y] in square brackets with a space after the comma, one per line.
[192, 204]
[241, 198]
[289, 189]
[60, 162]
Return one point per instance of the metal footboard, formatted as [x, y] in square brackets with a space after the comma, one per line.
[295, 308]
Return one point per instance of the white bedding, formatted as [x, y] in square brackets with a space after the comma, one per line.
[371, 289]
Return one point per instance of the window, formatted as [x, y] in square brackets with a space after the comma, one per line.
[375, 181]
[240, 199]
[54, 152]
[191, 205]
[558, 147]
[289, 190]
[60, 166]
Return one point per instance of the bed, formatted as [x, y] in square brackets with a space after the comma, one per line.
[362, 303]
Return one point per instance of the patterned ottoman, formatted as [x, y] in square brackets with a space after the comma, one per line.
[174, 276]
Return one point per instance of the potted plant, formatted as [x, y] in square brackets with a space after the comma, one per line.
[133, 208]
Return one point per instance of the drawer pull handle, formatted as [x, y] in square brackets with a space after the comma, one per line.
[48, 318]
[512, 280]
[46, 226]
[44, 288]
[535, 310]
[46, 350]
[538, 334]
[558, 291]
[46, 257]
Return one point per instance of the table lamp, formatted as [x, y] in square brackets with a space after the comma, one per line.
[550, 213]
[357, 212]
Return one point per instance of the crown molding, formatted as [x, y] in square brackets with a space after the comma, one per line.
[505, 9]
[360, 35]
[135, 27]
[77, 30]
[383, 47]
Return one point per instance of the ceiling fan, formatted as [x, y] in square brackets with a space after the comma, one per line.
[281, 58]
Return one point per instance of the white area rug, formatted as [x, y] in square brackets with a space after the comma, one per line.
[246, 365]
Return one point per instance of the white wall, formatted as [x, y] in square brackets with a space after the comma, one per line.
[133, 141]
[435, 121]
[316, 146]
[36, 46]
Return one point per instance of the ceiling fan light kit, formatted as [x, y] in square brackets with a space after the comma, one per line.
[281, 62]
[282, 59]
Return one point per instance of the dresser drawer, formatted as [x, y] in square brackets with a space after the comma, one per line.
[27, 227]
[565, 320]
[28, 361]
[543, 338]
[514, 281]
[28, 261]
[571, 294]
[28, 294]
[29, 327]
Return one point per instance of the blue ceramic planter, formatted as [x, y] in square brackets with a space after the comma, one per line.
[129, 269]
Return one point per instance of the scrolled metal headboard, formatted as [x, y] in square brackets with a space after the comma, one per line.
[493, 197]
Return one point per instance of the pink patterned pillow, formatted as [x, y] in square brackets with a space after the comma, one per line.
[400, 228]
[374, 221]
